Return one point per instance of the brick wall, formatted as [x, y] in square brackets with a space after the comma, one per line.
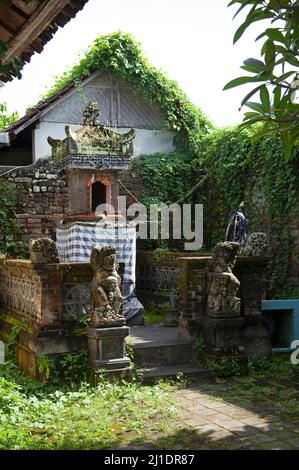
[42, 199]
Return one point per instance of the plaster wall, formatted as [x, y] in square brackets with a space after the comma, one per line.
[147, 141]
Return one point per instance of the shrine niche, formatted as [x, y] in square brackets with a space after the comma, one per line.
[98, 191]
[92, 157]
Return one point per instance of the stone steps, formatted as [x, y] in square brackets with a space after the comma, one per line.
[151, 375]
[158, 353]
[157, 345]
[163, 355]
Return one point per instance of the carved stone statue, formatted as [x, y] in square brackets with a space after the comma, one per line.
[256, 245]
[43, 250]
[238, 227]
[107, 299]
[92, 139]
[222, 284]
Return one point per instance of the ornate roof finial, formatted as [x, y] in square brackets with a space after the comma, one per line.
[91, 115]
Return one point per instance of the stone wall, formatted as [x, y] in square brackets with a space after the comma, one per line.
[49, 303]
[189, 283]
[43, 199]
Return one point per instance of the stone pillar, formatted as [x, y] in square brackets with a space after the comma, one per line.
[107, 348]
[107, 332]
[222, 321]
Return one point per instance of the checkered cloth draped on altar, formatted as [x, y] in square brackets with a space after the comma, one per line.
[75, 242]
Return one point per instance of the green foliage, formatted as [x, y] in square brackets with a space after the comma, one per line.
[82, 418]
[14, 250]
[199, 347]
[45, 366]
[238, 169]
[226, 366]
[154, 313]
[67, 370]
[120, 55]
[241, 170]
[5, 118]
[276, 71]
[74, 368]
[167, 177]
[8, 202]
[11, 67]
[12, 340]
[258, 362]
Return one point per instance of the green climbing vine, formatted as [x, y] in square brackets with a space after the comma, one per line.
[118, 54]
[238, 169]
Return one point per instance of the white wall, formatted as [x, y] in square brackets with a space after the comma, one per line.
[146, 141]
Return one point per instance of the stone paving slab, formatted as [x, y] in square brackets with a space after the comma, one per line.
[227, 426]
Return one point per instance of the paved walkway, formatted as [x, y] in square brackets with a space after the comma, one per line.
[222, 425]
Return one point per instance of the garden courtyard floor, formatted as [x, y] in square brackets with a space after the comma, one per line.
[259, 410]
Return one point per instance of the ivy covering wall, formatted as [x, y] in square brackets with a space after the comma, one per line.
[237, 169]
[120, 55]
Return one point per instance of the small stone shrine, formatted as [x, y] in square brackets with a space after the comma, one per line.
[91, 158]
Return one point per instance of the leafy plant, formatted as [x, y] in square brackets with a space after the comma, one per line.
[74, 368]
[5, 118]
[226, 366]
[8, 202]
[15, 250]
[46, 366]
[258, 362]
[154, 313]
[276, 71]
[12, 340]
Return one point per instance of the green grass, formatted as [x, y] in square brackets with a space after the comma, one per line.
[154, 313]
[36, 416]
[275, 388]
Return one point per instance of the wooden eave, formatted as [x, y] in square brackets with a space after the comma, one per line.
[27, 27]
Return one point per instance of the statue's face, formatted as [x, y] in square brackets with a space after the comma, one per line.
[226, 256]
[110, 260]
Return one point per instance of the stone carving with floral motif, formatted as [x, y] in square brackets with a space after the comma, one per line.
[222, 284]
[107, 300]
[256, 245]
[43, 250]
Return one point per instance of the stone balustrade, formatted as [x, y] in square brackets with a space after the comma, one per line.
[50, 303]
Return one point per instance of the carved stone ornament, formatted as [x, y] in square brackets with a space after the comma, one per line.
[222, 284]
[92, 139]
[107, 300]
[256, 245]
[43, 250]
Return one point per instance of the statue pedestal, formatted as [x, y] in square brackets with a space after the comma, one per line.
[222, 335]
[107, 350]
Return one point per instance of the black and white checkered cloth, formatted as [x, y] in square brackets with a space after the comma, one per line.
[75, 242]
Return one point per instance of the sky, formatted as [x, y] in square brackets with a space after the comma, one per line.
[191, 40]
